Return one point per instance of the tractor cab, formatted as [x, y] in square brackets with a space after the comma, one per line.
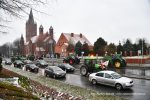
[90, 65]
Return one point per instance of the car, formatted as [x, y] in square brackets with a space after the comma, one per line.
[41, 63]
[111, 78]
[8, 62]
[66, 67]
[32, 67]
[18, 63]
[27, 61]
[54, 71]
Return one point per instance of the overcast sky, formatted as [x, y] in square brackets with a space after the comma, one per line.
[113, 20]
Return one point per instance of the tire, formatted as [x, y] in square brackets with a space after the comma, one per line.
[83, 70]
[117, 64]
[45, 74]
[118, 86]
[94, 82]
[54, 76]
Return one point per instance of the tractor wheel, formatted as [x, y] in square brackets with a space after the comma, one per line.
[83, 70]
[117, 64]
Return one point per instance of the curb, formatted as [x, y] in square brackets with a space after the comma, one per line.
[139, 77]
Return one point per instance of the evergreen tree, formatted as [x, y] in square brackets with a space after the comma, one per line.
[111, 48]
[99, 46]
[85, 49]
[119, 48]
[128, 46]
[78, 48]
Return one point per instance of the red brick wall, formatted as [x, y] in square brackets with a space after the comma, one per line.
[62, 39]
[137, 60]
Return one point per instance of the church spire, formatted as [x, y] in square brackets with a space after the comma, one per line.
[31, 16]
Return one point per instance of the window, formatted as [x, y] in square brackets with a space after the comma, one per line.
[100, 74]
[108, 76]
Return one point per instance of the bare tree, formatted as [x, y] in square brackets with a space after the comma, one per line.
[14, 7]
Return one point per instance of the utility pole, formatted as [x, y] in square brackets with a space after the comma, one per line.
[142, 51]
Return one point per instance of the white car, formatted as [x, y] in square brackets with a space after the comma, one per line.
[111, 78]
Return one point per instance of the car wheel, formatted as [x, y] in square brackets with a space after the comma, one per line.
[94, 81]
[117, 64]
[54, 76]
[83, 70]
[118, 86]
[45, 74]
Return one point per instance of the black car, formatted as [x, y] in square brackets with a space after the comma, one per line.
[41, 63]
[18, 63]
[27, 61]
[66, 67]
[54, 71]
[8, 62]
[32, 67]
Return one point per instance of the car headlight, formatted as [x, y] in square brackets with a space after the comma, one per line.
[127, 84]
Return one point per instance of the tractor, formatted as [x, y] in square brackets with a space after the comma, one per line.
[115, 61]
[71, 59]
[92, 64]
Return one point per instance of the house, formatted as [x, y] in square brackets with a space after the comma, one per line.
[64, 40]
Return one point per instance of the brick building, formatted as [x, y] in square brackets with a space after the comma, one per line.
[41, 44]
[64, 40]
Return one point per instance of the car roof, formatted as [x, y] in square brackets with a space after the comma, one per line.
[107, 71]
[52, 66]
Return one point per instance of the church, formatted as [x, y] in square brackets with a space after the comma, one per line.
[38, 44]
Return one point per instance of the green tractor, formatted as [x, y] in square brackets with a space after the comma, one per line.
[91, 65]
[115, 61]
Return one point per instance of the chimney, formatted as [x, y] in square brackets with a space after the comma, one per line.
[72, 34]
[80, 35]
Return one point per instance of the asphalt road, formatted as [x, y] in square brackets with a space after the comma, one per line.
[140, 90]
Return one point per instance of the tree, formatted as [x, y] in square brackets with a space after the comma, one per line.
[78, 48]
[127, 46]
[99, 46]
[142, 44]
[14, 7]
[85, 49]
[111, 48]
[119, 48]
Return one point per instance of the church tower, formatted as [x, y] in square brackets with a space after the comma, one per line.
[51, 32]
[22, 52]
[31, 27]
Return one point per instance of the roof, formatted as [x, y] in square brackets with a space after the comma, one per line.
[76, 38]
[34, 39]
[107, 71]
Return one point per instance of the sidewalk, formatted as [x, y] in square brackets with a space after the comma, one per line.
[137, 76]
[138, 65]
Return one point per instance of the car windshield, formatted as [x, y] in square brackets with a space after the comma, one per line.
[56, 69]
[8, 60]
[116, 75]
[42, 61]
[18, 61]
[32, 65]
[68, 66]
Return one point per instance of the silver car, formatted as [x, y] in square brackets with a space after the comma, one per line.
[111, 78]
